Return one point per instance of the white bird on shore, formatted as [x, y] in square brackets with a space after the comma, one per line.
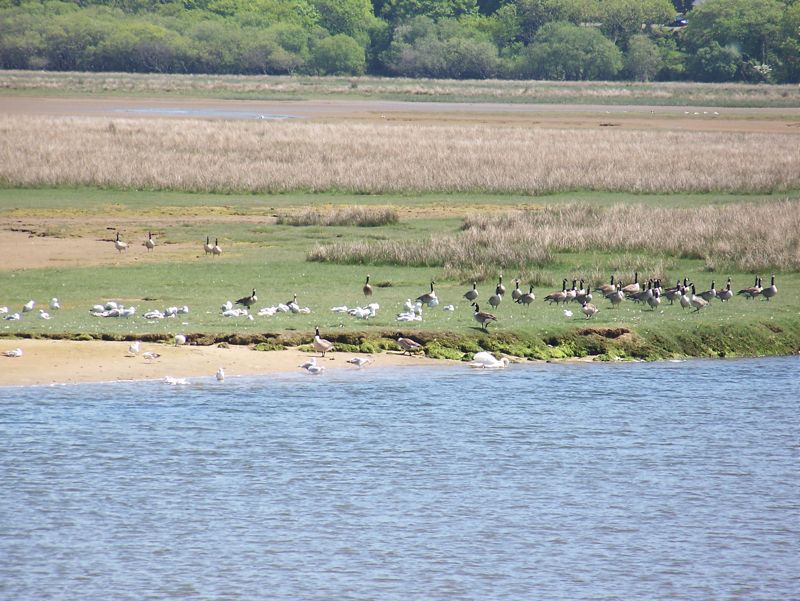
[127, 311]
[175, 381]
[308, 363]
[28, 306]
[43, 314]
[485, 360]
[220, 375]
[180, 339]
[567, 313]
[3, 310]
[359, 361]
[449, 308]
[17, 352]
[133, 348]
[13, 317]
[54, 304]
[226, 306]
[150, 355]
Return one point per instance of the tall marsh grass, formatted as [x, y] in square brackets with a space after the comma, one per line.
[245, 156]
[358, 216]
[745, 237]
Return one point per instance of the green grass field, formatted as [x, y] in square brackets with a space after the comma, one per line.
[273, 259]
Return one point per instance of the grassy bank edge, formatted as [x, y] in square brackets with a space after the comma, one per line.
[765, 338]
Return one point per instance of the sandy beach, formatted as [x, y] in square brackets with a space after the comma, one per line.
[65, 361]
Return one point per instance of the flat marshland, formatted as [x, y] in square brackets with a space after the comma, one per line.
[312, 206]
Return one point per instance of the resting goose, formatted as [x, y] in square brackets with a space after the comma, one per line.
[367, 289]
[150, 244]
[771, 290]
[320, 344]
[527, 298]
[119, 244]
[248, 301]
[471, 295]
[482, 317]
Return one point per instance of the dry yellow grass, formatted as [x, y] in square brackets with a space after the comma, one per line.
[359, 216]
[226, 156]
[747, 237]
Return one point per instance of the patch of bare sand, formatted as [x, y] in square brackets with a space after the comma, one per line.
[66, 362]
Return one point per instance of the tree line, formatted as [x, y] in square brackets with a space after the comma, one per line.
[640, 40]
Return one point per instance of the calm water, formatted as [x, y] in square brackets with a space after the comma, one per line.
[643, 481]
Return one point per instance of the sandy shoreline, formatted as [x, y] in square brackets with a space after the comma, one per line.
[68, 362]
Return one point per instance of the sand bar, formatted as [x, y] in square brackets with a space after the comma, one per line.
[66, 361]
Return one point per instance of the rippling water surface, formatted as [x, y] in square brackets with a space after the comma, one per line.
[643, 481]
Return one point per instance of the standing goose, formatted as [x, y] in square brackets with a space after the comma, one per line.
[119, 244]
[632, 288]
[698, 302]
[500, 289]
[607, 289]
[558, 297]
[207, 247]
[527, 298]
[674, 294]
[150, 244]
[482, 317]
[248, 301]
[725, 294]
[711, 293]
[771, 290]
[495, 300]
[753, 291]
[584, 295]
[216, 249]
[428, 297]
[572, 292]
[471, 295]
[655, 299]
[516, 292]
[589, 309]
[367, 289]
[320, 344]
[409, 346]
[616, 297]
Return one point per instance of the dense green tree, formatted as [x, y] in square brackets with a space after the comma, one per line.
[338, 55]
[572, 52]
[622, 19]
[788, 49]
[399, 11]
[351, 17]
[715, 63]
[643, 60]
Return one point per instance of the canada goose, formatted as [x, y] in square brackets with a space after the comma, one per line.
[584, 295]
[558, 297]
[216, 250]
[471, 295]
[616, 297]
[482, 317]
[220, 375]
[367, 289]
[589, 309]
[685, 299]
[485, 360]
[359, 361]
[672, 294]
[428, 297]
[28, 307]
[150, 244]
[516, 292]
[642, 295]
[207, 246]
[753, 291]
[320, 344]
[655, 299]
[500, 289]
[248, 301]
[726, 293]
[710, 293]
[409, 346]
[15, 352]
[572, 292]
[119, 244]
[698, 302]
[495, 300]
[632, 288]
[770, 291]
[607, 289]
[527, 298]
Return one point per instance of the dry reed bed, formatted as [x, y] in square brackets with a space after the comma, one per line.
[358, 216]
[254, 156]
[225, 85]
[745, 237]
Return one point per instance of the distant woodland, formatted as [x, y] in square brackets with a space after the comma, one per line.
[637, 40]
